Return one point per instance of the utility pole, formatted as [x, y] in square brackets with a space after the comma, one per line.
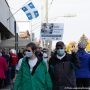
[46, 19]
[48, 43]
[16, 37]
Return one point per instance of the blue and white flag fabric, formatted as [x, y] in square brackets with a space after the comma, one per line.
[30, 10]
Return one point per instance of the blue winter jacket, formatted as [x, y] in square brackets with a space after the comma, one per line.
[84, 70]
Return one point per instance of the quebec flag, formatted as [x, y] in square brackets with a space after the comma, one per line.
[30, 11]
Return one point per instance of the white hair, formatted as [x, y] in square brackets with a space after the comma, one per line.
[13, 51]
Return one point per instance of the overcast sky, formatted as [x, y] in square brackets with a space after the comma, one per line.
[74, 27]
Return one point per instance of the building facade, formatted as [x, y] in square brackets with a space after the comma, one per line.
[6, 21]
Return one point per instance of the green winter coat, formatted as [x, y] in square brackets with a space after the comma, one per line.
[40, 80]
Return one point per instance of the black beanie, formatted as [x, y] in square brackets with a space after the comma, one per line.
[59, 44]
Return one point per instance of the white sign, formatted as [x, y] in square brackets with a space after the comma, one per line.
[52, 31]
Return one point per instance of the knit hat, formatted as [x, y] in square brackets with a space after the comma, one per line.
[81, 45]
[60, 44]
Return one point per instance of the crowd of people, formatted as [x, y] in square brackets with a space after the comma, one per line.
[32, 69]
[8, 61]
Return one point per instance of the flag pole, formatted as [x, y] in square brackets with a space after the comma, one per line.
[17, 10]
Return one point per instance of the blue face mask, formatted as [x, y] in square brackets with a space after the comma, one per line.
[60, 52]
[28, 54]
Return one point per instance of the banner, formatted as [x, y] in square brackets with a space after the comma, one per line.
[52, 31]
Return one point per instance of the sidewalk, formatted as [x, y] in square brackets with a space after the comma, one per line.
[7, 88]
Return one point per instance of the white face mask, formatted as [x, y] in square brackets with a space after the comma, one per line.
[60, 52]
[45, 55]
[28, 54]
[45, 59]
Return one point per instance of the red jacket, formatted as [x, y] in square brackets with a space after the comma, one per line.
[3, 67]
[14, 59]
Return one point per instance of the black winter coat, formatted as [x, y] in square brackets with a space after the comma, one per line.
[62, 71]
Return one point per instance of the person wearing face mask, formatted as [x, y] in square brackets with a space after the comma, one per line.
[45, 59]
[33, 74]
[83, 73]
[61, 68]
[39, 53]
